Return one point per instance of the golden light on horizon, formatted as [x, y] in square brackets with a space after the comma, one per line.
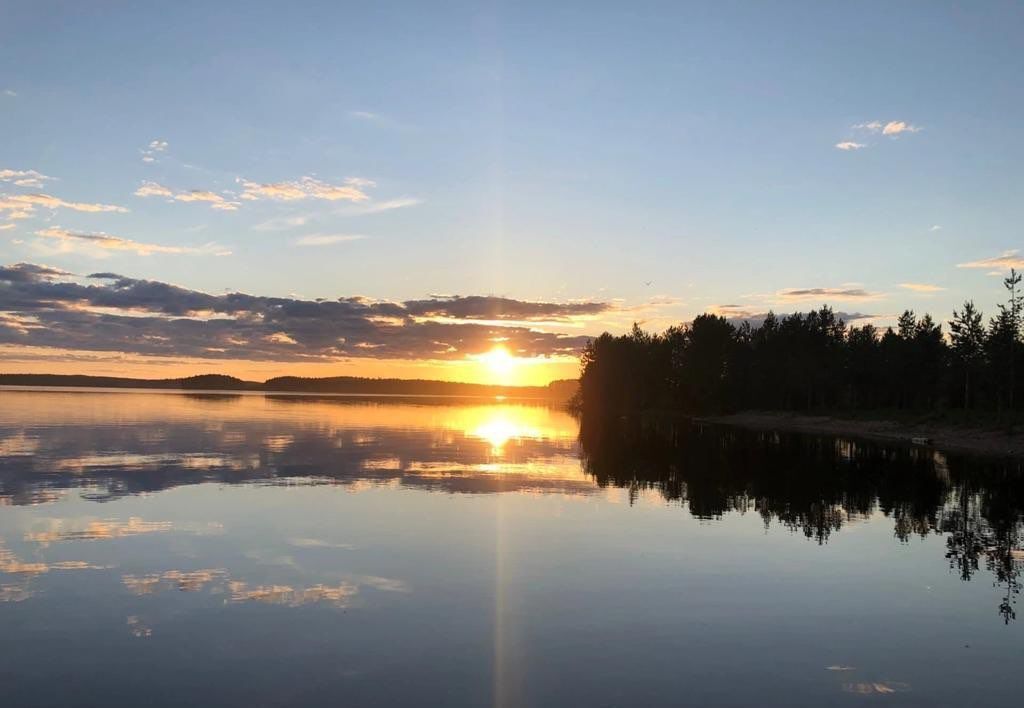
[502, 368]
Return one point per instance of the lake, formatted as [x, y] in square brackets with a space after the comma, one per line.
[169, 549]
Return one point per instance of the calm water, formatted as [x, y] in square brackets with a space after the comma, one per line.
[169, 550]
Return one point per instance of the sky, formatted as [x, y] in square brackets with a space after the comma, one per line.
[469, 190]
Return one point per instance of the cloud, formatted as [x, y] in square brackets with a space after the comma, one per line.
[30, 272]
[935, 227]
[23, 206]
[377, 207]
[9, 92]
[377, 119]
[71, 240]
[803, 294]
[15, 210]
[896, 127]
[150, 152]
[152, 189]
[307, 188]
[492, 307]
[282, 223]
[1008, 260]
[921, 287]
[352, 190]
[216, 201]
[327, 239]
[4, 227]
[891, 128]
[114, 313]
[849, 145]
[24, 178]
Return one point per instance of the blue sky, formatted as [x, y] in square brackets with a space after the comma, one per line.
[666, 158]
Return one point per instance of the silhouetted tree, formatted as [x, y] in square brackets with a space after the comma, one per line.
[1000, 351]
[809, 362]
[864, 366]
[967, 335]
[707, 356]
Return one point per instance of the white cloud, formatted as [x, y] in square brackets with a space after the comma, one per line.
[377, 207]
[152, 189]
[935, 227]
[23, 206]
[9, 92]
[150, 152]
[364, 115]
[895, 127]
[921, 287]
[282, 223]
[216, 201]
[850, 145]
[1008, 260]
[307, 188]
[360, 182]
[4, 227]
[892, 128]
[70, 241]
[24, 178]
[351, 190]
[51, 202]
[327, 239]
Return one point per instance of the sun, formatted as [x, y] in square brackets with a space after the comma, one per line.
[499, 363]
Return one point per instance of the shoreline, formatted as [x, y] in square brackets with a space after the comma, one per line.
[269, 392]
[983, 440]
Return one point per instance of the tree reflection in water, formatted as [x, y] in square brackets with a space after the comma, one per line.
[817, 484]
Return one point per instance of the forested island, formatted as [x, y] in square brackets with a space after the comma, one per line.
[559, 391]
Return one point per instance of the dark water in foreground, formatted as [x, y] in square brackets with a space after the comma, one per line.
[169, 550]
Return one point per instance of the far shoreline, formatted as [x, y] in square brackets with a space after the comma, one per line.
[557, 391]
[42, 388]
[967, 437]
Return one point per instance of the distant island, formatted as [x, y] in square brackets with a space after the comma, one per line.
[560, 390]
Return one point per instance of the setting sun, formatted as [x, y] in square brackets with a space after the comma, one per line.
[499, 365]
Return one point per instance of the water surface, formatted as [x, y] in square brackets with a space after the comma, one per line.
[172, 549]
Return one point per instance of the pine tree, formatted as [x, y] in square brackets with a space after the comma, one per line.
[968, 337]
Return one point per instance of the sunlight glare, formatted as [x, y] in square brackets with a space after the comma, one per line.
[499, 364]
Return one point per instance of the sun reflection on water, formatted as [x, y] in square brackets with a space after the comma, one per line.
[500, 425]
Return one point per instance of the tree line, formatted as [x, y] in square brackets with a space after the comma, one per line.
[812, 361]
